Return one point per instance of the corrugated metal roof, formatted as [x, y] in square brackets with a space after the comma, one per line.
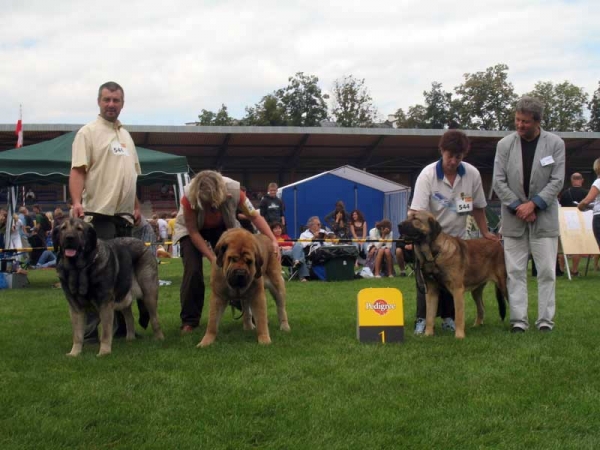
[291, 153]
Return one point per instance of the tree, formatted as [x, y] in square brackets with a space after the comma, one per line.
[437, 106]
[303, 101]
[415, 118]
[594, 105]
[400, 116]
[221, 117]
[268, 112]
[486, 100]
[563, 105]
[352, 103]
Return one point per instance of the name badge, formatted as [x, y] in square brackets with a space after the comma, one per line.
[547, 161]
[118, 149]
[464, 205]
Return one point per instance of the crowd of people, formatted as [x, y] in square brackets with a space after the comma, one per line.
[529, 170]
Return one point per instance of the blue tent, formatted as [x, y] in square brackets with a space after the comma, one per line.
[376, 197]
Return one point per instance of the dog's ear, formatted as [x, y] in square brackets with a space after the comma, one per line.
[56, 239]
[91, 238]
[436, 228]
[220, 252]
[258, 262]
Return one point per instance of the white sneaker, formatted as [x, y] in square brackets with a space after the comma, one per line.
[377, 276]
[448, 324]
[420, 327]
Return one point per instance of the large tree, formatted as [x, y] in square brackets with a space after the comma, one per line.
[437, 107]
[303, 101]
[486, 100]
[268, 112]
[564, 105]
[221, 117]
[594, 105]
[352, 103]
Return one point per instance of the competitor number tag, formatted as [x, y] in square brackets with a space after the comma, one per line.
[118, 149]
[464, 205]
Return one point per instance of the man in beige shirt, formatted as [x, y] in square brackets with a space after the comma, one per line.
[104, 169]
[102, 182]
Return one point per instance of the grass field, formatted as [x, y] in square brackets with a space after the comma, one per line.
[314, 388]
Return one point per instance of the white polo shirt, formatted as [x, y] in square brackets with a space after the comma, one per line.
[434, 193]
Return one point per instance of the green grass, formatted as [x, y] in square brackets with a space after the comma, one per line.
[315, 388]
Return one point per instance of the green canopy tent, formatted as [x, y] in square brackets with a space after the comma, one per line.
[50, 162]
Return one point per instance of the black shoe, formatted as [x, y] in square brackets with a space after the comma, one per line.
[516, 330]
[545, 329]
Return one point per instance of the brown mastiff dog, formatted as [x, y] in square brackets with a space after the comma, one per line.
[245, 265]
[457, 265]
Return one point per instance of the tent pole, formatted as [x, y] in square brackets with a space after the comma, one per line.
[295, 211]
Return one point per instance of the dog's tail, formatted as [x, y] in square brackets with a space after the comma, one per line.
[501, 302]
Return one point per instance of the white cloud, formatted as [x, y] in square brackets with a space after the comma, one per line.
[175, 59]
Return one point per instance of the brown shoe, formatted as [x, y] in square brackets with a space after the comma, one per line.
[187, 329]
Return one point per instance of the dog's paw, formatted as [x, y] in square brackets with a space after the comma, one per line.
[459, 335]
[206, 341]
[104, 350]
[159, 336]
[75, 351]
[264, 339]
[284, 326]
[249, 326]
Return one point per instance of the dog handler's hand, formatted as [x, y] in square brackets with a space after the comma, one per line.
[78, 210]
[490, 236]
[276, 250]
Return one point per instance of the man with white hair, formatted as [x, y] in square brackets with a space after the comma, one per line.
[529, 172]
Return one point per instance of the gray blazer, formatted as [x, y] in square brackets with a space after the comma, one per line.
[545, 184]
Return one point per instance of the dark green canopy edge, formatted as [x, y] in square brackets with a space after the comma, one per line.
[50, 162]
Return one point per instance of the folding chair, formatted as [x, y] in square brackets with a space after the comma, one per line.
[288, 262]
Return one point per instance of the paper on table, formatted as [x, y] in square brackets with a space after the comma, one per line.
[572, 220]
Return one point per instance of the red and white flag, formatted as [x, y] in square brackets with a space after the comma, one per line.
[19, 130]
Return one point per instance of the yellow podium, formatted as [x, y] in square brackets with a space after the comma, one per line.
[380, 315]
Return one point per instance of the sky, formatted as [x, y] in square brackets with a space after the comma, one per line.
[176, 58]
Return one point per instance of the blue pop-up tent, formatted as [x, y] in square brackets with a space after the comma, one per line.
[376, 197]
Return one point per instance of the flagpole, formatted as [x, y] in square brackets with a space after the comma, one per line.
[19, 128]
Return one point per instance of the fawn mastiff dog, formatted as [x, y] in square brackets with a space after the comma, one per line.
[457, 265]
[245, 265]
[104, 276]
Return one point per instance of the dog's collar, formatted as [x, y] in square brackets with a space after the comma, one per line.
[429, 265]
[92, 261]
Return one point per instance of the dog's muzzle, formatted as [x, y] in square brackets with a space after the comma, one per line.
[239, 278]
[407, 230]
[70, 246]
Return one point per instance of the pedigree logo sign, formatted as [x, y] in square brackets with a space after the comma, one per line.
[380, 306]
[380, 315]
